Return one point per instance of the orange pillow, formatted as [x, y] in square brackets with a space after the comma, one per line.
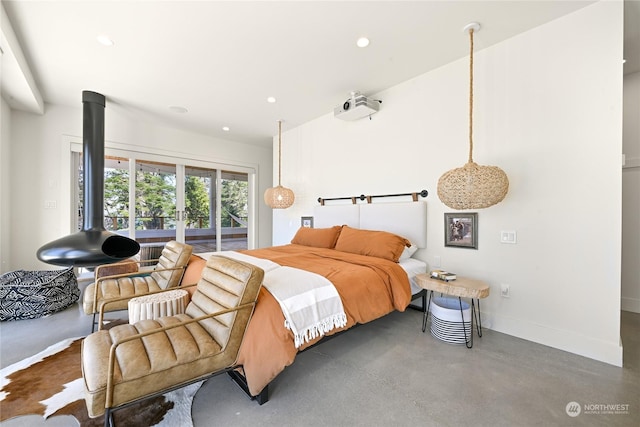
[379, 244]
[193, 273]
[317, 237]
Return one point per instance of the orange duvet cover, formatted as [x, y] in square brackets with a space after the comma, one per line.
[369, 287]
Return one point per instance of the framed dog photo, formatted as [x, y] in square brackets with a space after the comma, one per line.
[306, 221]
[461, 230]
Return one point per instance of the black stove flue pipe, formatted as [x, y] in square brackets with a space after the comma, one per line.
[93, 245]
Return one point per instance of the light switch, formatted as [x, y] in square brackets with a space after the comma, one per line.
[508, 236]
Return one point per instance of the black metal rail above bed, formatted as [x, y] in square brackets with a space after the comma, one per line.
[414, 196]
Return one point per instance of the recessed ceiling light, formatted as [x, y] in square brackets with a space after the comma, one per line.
[271, 100]
[362, 42]
[105, 40]
[177, 109]
[225, 128]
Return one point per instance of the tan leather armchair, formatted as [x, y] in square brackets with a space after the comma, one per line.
[128, 363]
[167, 273]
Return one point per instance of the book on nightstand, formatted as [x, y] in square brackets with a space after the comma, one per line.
[443, 275]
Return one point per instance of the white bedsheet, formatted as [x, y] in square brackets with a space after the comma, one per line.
[413, 267]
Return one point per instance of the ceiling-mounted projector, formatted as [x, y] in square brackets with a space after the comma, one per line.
[356, 107]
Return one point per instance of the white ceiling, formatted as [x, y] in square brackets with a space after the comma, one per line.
[222, 59]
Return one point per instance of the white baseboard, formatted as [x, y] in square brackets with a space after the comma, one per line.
[593, 348]
[630, 304]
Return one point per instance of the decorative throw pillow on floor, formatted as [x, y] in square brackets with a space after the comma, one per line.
[32, 294]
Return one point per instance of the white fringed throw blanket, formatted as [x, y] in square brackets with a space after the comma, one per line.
[310, 303]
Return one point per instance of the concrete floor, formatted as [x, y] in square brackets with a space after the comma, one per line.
[388, 373]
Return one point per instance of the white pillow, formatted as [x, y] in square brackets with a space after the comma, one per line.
[408, 252]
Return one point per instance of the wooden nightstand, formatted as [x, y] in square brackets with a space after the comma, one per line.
[462, 287]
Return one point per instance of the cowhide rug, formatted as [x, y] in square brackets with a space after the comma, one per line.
[50, 383]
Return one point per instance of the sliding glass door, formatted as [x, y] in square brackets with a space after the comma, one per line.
[216, 209]
[155, 206]
[234, 188]
[116, 194]
[200, 208]
[206, 207]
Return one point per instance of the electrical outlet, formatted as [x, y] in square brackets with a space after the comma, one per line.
[436, 261]
[505, 290]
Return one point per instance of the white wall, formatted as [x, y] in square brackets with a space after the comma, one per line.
[631, 195]
[5, 189]
[38, 150]
[548, 112]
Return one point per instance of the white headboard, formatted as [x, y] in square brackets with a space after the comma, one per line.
[406, 219]
[328, 216]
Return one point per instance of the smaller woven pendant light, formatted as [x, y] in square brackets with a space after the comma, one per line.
[279, 197]
[472, 186]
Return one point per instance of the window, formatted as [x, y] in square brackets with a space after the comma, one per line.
[171, 200]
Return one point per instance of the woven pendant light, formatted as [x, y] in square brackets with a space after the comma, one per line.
[472, 186]
[279, 197]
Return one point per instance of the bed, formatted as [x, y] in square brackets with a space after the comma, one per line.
[364, 250]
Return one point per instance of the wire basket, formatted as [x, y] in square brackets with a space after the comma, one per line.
[447, 321]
